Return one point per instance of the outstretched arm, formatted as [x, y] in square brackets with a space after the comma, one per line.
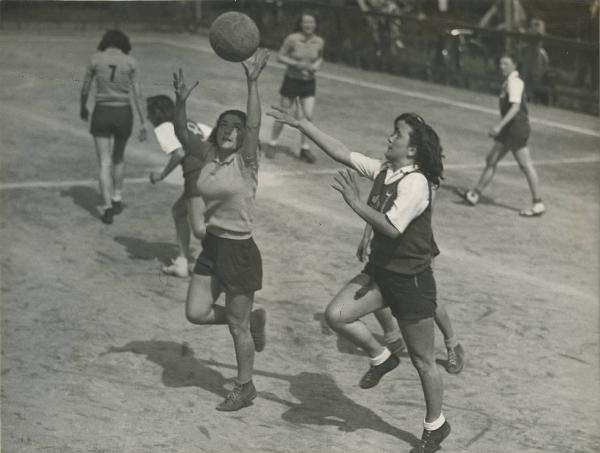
[174, 160]
[253, 68]
[182, 92]
[332, 146]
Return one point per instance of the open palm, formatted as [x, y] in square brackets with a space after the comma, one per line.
[182, 92]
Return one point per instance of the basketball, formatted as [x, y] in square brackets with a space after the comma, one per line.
[234, 36]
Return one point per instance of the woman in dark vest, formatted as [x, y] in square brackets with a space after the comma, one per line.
[511, 133]
[398, 274]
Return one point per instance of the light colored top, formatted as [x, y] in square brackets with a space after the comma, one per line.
[228, 189]
[413, 189]
[300, 48]
[167, 139]
[513, 86]
[115, 72]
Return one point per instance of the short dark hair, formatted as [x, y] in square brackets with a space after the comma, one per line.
[298, 25]
[212, 138]
[427, 143]
[162, 108]
[115, 38]
[515, 58]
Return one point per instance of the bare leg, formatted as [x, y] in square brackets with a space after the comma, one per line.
[419, 337]
[238, 308]
[345, 310]
[195, 208]
[118, 162]
[491, 162]
[523, 158]
[182, 227]
[103, 153]
[442, 320]
[285, 103]
[200, 307]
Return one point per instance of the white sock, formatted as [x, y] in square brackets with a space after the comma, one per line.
[378, 360]
[116, 196]
[273, 143]
[451, 342]
[436, 424]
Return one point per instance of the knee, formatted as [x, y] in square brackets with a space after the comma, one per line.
[197, 315]
[422, 364]
[178, 211]
[237, 328]
[199, 230]
[334, 318]
[491, 161]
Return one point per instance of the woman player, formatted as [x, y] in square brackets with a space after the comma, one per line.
[302, 53]
[510, 134]
[115, 73]
[160, 110]
[230, 261]
[398, 274]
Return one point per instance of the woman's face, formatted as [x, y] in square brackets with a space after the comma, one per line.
[308, 24]
[230, 132]
[507, 66]
[399, 142]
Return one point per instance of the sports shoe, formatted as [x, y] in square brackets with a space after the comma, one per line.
[307, 155]
[107, 216]
[396, 347]
[178, 267]
[258, 319]
[117, 207]
[536, 210]
[456, 357]
[431, 440]
[241, 396]
[376, 372]
[470, 196]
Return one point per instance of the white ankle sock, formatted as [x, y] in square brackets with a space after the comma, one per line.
[436, 424]
[378, 360]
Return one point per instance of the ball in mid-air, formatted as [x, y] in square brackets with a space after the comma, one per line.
[234, 36]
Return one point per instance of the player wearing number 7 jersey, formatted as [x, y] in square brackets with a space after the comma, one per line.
[115, 73]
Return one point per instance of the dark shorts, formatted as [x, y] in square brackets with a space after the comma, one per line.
[297, 88]
[109, 121]
[236, 264]
[514, 136]
[410, 297]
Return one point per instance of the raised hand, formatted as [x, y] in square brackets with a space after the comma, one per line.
[347, 186]
[283, 116]
[254, 65]
[182, 92]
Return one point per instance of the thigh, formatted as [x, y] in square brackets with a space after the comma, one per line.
[238, 308]
[359, 297]
[286, 102]
[103, 149]
[203, 291]
[419, 337]
[118, 151]
[497, 152]
[179, 208]
[307, 105]
[195, 212]
[523, 156]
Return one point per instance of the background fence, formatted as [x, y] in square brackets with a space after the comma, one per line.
[560, 72]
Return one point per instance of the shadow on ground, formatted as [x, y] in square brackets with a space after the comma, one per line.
[85, 197]
[140, 249]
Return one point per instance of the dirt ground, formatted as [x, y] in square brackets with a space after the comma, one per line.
[97, 355]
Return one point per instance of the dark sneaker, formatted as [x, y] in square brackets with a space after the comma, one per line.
[431, 440]
[307, 155]
[396, 347]
[117, 207]
[375, 373]
[240, 397]
[107, 217]
[258, 319]
[456, 357]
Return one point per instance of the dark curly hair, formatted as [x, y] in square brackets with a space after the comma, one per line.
[115, 38]
[427, 143]
[298, 24]
[212, 138]
[162, 108]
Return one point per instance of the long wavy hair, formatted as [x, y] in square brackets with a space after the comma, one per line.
[426, 141]
[115, 38]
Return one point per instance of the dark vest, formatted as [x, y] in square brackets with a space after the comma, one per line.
[522, 115]
[412, 251]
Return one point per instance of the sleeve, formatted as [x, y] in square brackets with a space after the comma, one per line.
[515, 87]
[287, 46]
[165, 135]
[411, 201]
[365, 166]
[197, 142]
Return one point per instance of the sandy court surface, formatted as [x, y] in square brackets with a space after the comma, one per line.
[97, 355]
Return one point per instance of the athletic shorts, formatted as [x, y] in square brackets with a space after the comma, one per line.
[112, 121]
[236, 263]
[514, 136]
[410, 297]
[298, 88]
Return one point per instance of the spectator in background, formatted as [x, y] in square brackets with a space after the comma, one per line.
[535, 63]
[588, 62]
[386, 30]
